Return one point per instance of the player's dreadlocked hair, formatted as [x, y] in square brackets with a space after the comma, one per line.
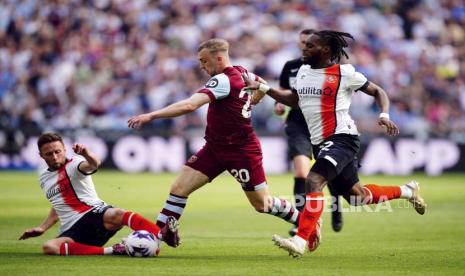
[336, 41]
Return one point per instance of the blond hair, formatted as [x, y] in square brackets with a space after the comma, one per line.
[214, 45]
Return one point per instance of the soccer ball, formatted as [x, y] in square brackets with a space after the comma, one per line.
[142, 243]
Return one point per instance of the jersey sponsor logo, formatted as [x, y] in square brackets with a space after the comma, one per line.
[327, 91]
[212, 83]
[52, 192]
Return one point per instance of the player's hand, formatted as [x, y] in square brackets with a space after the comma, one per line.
[391, 128]
[80, 149]
[30, 233]
[250, 83]
[279, 109]
[252, 87]
[257, 97]
[138, 121]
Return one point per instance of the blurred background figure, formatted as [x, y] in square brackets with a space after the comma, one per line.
[67, 65]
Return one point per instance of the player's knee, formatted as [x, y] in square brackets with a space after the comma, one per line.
[113, 218]
[51, 248]
[116, 214]
[315, 182]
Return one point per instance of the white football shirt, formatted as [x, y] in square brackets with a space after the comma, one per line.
[325, 97]
[70, 191]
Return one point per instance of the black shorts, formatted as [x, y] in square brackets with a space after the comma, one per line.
[89, 229]
[336, 160]
[298, 140]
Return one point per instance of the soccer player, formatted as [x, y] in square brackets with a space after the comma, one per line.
[298, 138]
[87, 222]
[231, 143]
[324, 89]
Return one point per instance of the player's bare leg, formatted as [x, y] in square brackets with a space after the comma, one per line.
[309, 220]
[373, 194]
[264, 202]
[185, 183]
[67, 246]
[115, 218]
[52, 247]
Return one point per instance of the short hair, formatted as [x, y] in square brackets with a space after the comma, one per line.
[336, 42]
[214, 45]
[307, 31]
[48, 137]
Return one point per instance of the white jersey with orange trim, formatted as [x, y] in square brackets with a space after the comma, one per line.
[325, 97]
[70, 191]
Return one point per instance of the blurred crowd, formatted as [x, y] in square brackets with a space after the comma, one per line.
[68, 64]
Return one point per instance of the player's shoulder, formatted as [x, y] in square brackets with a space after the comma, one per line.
[239, 69]
[76, 160]
[43, 173]
[73, 163]
[304, 68]
[219, 80]
[347, 69]
[293, 63]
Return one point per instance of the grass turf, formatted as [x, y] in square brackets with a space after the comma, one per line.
[222, 234]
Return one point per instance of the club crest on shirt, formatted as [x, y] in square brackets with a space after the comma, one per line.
[331, 79]
[212, 83]
[192, 159]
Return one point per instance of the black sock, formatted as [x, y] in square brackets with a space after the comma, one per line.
[335, 204]
[299, 193]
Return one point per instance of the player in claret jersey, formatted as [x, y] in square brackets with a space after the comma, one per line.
[87, 222]
[231, 143]
[324, 89]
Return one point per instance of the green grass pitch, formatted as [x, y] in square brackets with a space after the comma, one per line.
[223, 235]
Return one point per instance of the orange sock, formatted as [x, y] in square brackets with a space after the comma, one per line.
[314, 204]
[74, 248]
[138, 222]
[381, 193]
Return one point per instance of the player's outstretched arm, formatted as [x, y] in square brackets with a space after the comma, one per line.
[39, 230]
[174, 110]
[283, 96]
[92, 162]
[383, 102]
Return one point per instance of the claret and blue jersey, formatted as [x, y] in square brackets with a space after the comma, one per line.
[228, 118]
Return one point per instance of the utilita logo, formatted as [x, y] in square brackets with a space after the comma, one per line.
[327, 91]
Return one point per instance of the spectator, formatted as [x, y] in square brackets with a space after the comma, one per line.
[79, 64]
